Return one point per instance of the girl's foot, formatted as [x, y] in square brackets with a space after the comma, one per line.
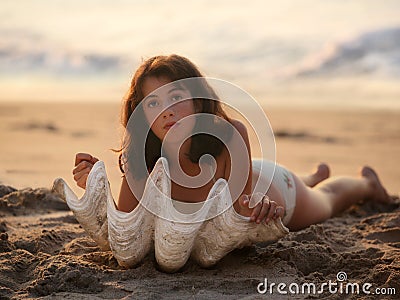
[379, 193]
[322, 173]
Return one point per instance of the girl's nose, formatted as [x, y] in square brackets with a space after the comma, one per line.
[168, 112]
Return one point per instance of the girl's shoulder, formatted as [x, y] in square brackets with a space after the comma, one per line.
[240, 127]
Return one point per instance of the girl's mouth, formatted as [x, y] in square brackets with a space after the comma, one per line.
[169, 125]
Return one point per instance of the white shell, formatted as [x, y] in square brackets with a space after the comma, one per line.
[175, 235]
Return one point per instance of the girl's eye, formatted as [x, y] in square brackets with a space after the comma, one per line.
[152, 103]
[176, 98]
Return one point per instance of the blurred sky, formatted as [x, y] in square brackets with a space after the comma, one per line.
[87, 50]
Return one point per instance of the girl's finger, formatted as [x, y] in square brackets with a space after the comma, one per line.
[271, 211]
[244, 200]
[264, 209]
[82, 173]
[81, 157]
[81, 166]
[255, 212]
[82, 181]
[279, 212]
[94, 160]
[256, 198]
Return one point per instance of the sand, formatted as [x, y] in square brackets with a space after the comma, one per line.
[45, 253]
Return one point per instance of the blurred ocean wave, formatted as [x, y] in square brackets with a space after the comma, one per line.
[23, 51]
[375, 53]
[370, 54]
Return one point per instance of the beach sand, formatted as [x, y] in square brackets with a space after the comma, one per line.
[45, 253]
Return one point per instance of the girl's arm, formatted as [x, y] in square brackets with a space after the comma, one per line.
[235, 144]
[127, 200]
[265, 209]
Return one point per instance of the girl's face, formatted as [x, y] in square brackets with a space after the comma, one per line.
[164, 109]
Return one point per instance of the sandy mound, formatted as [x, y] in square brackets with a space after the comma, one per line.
[45, 253]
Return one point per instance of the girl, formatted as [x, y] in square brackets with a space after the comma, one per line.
[300, 202]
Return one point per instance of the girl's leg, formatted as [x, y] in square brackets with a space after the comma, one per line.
[319, 175]
[314, 205]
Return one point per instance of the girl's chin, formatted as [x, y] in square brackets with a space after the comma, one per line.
[173, 140]
[175, 135]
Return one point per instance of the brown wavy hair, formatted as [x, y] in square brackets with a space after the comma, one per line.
[173, 67]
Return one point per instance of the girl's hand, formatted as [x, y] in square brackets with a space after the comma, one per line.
[263, 208]
[83, 164]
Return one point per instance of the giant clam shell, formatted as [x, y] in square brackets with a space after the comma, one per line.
[156, 222]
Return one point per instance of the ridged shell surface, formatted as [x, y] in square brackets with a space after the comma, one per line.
[203, 234]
